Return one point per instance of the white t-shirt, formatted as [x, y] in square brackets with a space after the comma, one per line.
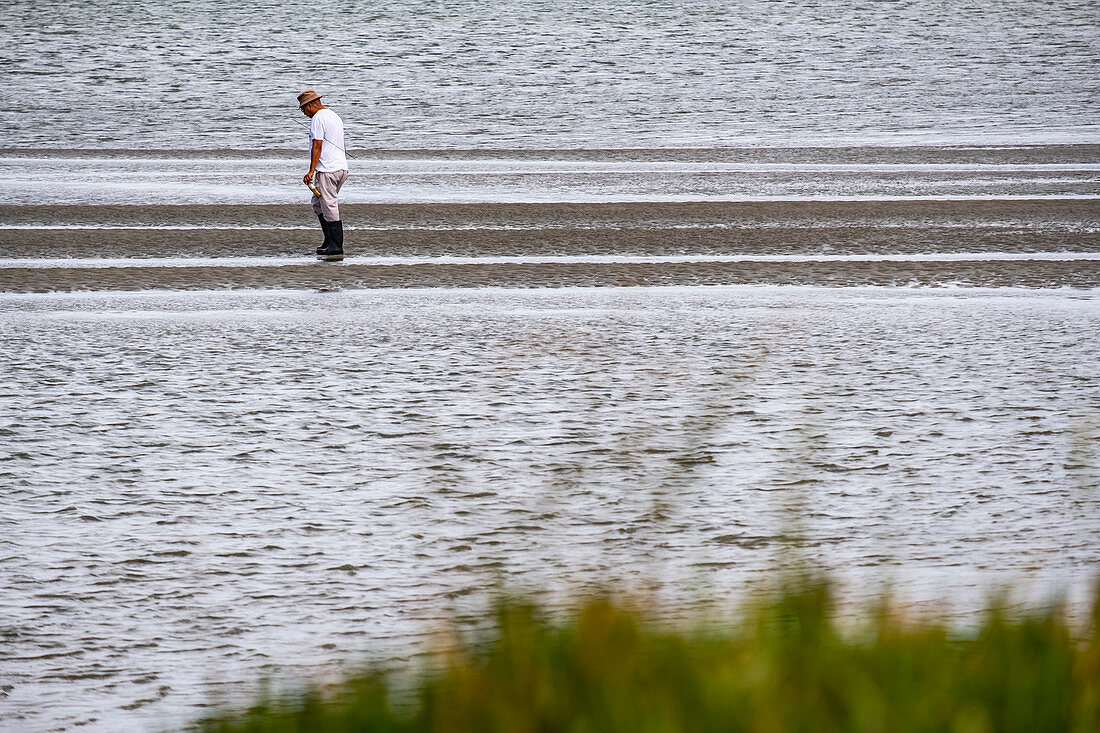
[326, 125]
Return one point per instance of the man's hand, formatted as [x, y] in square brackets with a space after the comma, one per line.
[314, 159]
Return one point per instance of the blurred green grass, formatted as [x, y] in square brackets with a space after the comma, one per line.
[782, 664]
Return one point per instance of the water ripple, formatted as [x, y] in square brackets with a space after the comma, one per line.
[200, 487]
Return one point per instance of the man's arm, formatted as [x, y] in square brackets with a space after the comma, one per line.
[314, 156]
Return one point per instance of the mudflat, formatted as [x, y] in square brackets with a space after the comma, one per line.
[37, 239]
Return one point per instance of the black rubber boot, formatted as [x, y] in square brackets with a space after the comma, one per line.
[325, 229]
[335, 239]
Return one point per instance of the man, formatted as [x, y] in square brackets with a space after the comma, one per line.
[328, 169]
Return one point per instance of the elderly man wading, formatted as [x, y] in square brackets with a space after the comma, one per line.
[328, 169]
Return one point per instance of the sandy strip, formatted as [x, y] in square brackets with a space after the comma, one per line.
[639, 214]
[639, 241]
[766, 240]
[761, 230]
[332, 276]
[194, 262]
[560, 229]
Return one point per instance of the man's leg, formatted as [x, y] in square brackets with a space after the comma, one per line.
[319, 211]
[336, 236]
[329, 184]
[325, 229]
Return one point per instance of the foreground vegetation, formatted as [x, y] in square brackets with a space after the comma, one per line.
[784, 665]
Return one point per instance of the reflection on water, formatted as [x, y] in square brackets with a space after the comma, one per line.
[198, 486]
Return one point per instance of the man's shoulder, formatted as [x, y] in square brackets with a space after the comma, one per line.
[328, 114]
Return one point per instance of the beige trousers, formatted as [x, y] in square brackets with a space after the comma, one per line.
[329, 184]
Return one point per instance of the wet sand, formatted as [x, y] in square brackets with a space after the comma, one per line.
[1024, 211]
[325, 276]
[493, 230]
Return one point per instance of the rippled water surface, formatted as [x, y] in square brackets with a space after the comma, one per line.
[465, 74]
[103, 178]
[200, 486]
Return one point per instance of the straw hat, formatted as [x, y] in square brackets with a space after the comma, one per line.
[306, 97]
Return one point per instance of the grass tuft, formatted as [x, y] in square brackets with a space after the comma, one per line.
[783, 665]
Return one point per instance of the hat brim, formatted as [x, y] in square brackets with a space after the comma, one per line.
[309, 101]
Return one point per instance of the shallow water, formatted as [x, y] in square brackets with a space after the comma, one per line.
[111, 178]
[201, 486]
[547, 75]
[198, 488]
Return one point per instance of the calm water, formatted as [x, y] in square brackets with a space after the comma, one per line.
[202, 486]
[549, 75]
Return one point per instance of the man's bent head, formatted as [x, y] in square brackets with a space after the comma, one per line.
[309, 102]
